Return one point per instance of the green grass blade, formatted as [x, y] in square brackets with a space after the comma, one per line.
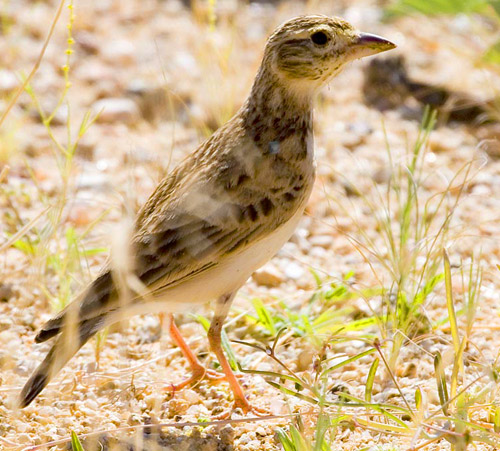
[370, 379]
[320, 443]
[347, 361]
[293, 379]
[76, 445]
[441, 383]
[449, 303]
[357, 402]
[299, 441]
[496, 420]
[436, 7]
[285, 440]
[428, 288]
[457, 366]
[418, 399]
[293, 393]
[264, 316]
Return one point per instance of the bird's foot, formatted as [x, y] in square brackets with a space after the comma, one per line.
[198, 374]
[214, 375]
[243, 405]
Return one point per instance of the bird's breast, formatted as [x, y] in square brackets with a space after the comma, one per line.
[230, 274]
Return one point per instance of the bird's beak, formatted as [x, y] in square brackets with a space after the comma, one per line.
[366, 44]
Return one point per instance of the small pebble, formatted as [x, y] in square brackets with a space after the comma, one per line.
[120, 52]
[8, 81]
[190, 396]
[294, 271]
[23, 438]
[324, 241]
[260, 431]
[268, 276]
[6, 292]
[87, 41]
[112, 110]
[304, 359]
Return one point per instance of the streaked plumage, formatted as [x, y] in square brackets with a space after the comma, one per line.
[230, 205]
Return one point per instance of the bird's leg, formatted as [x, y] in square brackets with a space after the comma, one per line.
[214, 339]
[197, 369]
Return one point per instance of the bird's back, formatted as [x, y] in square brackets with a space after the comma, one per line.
[221, 201]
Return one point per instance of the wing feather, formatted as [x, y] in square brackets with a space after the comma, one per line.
[196, 217]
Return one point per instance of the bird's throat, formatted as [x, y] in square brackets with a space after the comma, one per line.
[275, 112]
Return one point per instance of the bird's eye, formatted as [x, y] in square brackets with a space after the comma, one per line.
[319, 38]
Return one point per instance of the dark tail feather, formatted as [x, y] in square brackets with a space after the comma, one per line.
[95, 301]
[50, 329]
[39, 379]
[63, 349]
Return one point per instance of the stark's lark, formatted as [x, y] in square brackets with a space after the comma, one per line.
[227, 208]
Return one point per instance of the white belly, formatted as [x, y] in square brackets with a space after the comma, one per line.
[224, 278]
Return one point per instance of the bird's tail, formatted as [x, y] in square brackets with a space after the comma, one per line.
[65, 347]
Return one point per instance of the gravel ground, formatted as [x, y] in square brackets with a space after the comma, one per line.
[127, 57]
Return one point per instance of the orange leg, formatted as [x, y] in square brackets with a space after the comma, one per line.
[214, 338]
[197, 369]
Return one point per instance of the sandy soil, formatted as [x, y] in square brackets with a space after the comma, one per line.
[133, 50]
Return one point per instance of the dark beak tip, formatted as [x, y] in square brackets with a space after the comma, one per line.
[374, 41]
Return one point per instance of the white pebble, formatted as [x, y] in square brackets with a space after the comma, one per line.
[114, 109]
[294, 271]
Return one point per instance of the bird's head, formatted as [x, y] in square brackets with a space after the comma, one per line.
[308, 51]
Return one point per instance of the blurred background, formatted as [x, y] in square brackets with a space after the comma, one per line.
[126, 89]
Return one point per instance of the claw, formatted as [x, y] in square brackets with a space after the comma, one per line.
[199, 373]
[214, 375]
[246, 407]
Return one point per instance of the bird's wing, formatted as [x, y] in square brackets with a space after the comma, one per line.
[197, 230]
[201, 213]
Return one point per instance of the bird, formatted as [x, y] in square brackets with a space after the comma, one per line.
[225, 210]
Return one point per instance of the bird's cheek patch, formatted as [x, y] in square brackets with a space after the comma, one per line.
[295, 61]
